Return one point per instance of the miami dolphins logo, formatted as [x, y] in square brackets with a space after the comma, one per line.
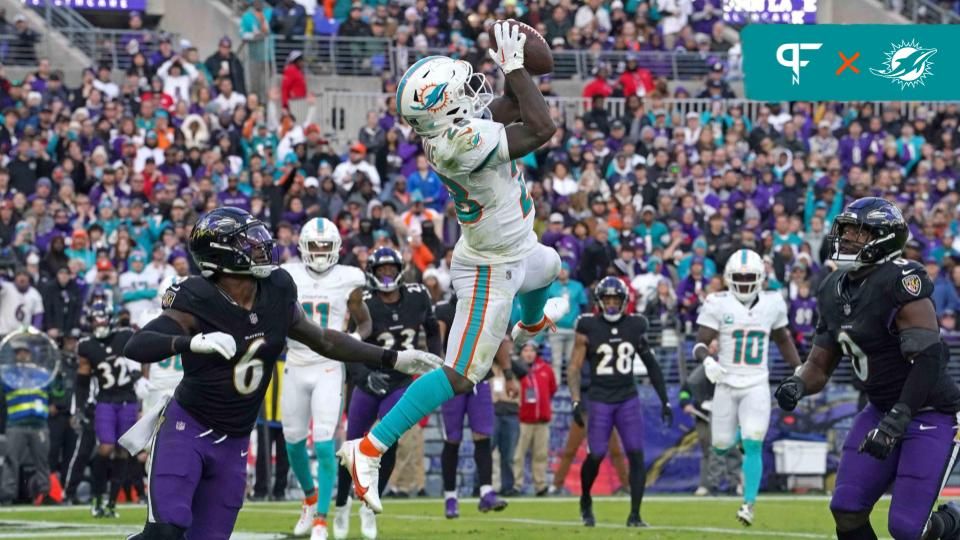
[430, 98]
[907, 64]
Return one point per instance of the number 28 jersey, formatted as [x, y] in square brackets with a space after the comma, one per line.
[857, 320]
[612, 349]
[744, 333]
[489, 190]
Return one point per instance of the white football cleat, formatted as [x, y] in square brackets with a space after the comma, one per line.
[702, 491]
[745, 514]
[319, 529]
[368, 523]
[341, 520]
[305, 523]
[553, 310]
[365, 471]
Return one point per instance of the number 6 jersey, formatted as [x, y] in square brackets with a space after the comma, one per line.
[225, 395]
[744, 333]
[612, 349]
[858, 321]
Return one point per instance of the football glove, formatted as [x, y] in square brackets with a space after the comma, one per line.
[378, 383]
[666, 415]
[881, 440]
[214, 343]
[509, 53]
[789, 392]
[578, 413]
[414, 362]
[713, 370]
[142, 388]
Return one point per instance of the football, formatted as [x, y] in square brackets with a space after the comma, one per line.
[537, 58]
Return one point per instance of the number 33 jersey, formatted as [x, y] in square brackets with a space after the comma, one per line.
[225, 395]
[744, 341]
[489, 191]
[612, 349]
[858, 321]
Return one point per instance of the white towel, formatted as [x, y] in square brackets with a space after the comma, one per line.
[138, 437]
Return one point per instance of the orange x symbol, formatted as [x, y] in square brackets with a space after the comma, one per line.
[848, 63]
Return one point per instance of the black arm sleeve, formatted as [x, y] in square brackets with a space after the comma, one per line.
[339, 346]
[82, 391]
[923, 376]
[653, 371]
[434, 340]
[160, 339]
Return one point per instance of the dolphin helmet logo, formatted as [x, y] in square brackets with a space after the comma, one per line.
[907, 64]
[430, 98]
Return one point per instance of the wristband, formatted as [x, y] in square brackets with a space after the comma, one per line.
[388, 359]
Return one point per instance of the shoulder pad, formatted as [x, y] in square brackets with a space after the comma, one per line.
[282, 279]
[911, 282]
[641, 319]
[585, 319]
[367, 295]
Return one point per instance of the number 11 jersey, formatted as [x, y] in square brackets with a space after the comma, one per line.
[225, 394]
[744, 342]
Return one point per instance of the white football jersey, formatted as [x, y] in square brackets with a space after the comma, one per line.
[165, 374]
[744, 333]
[490, 192]
[17, 309]
[324, 299]
[131, 281]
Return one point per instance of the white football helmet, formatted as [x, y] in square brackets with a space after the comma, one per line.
[438, 91]
[319, 244]
[744, 275]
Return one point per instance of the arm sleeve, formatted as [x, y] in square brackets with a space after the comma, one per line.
[160, 339]
[709, 315]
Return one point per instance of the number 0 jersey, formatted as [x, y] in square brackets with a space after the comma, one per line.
[744, 334]
[225, 394]
[858, 321]
[490, 193]
[112, 370]
[324, 300]
[612, 349]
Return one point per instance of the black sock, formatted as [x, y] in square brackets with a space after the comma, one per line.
[483, 457]
[344, 481]
[137, 470]
[638, 480]
[448, 465]
[863, 532]
[118, 473]
[99, 470]
[588, 473]
[387, 461]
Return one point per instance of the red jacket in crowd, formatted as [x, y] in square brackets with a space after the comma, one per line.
[294, 84]
[536, 393]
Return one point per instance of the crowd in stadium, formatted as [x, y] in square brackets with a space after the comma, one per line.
[101, 182]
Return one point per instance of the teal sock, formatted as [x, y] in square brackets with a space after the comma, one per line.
[300, 463]
[752, 469]
[531, 306]
[420, 399]
[326, 474]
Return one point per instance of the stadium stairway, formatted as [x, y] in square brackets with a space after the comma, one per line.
[52, 44]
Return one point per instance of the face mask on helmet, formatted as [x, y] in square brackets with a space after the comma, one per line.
[256, 244]
[100, 322]
[745, 286]
[612, 306]
[850, 241]
[319, 255]
[387, 277]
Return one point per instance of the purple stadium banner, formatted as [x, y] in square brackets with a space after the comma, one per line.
[770, 11]
[123, 5]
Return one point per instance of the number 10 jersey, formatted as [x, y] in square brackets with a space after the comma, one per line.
[744, 334]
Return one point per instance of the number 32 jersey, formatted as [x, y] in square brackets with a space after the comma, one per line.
[612, 349]
[858, 321]
[489, 190]
[744, 333]
[114, 376]
[225, 394]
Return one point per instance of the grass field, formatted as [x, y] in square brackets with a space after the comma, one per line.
[685, 518]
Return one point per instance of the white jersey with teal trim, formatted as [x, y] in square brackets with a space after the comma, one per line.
[165, 374]
[744, 334]
[324, 299]
[489, 190]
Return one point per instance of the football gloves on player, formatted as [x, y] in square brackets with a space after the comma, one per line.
[578, 413]
[378, 383]
[214, 343]
[510, 41]
[414, 362]
[713, 370]
[881, 440]
[789, 392]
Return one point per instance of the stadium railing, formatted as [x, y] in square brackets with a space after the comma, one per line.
[342, 114]
[336, 55]
[112, 47]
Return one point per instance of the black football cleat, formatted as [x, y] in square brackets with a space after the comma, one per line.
[633, 520]
[586, 511]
